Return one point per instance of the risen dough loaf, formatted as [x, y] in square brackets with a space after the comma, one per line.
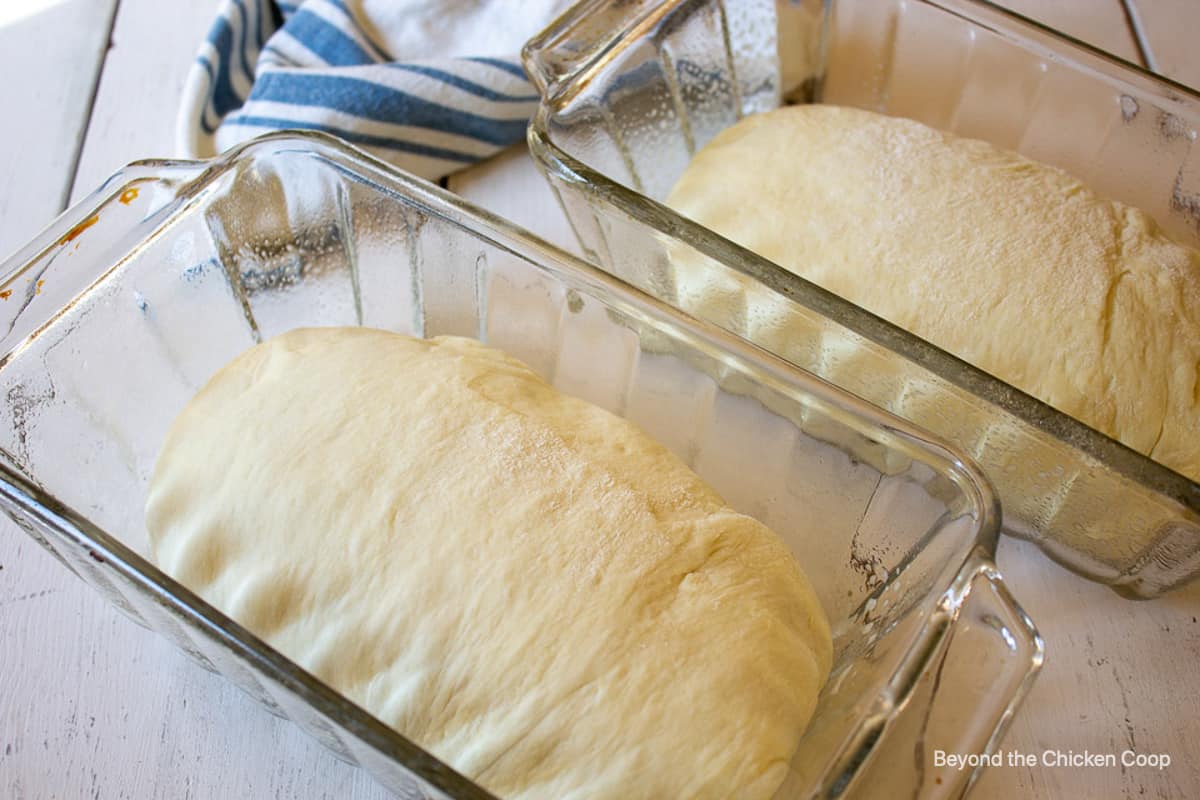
[1012, 265]
[523, 583]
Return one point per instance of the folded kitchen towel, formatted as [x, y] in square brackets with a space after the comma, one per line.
[429, 85]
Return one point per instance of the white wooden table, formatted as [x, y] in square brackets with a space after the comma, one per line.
[93, 706]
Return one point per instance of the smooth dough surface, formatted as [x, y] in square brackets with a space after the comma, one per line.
[524, 584]
[1012, 265]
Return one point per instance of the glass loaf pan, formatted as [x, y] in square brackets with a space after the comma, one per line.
[121, 310]
[630, 91]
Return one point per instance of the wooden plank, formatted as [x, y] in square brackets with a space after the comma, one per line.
[50, 54]
[153, 48]
[1117, 673]
[1170, 28]
[96, 706]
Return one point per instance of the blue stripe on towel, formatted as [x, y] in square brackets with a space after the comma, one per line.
[477, 89]
[278, 55]
[247, 68]
[378, 52]
[334, 46]
[369, 100]
[224, 98]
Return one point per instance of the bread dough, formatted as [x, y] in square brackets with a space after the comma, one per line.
[1012, 265]
[526, 585]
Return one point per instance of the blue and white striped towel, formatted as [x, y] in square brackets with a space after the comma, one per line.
[429, 85]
